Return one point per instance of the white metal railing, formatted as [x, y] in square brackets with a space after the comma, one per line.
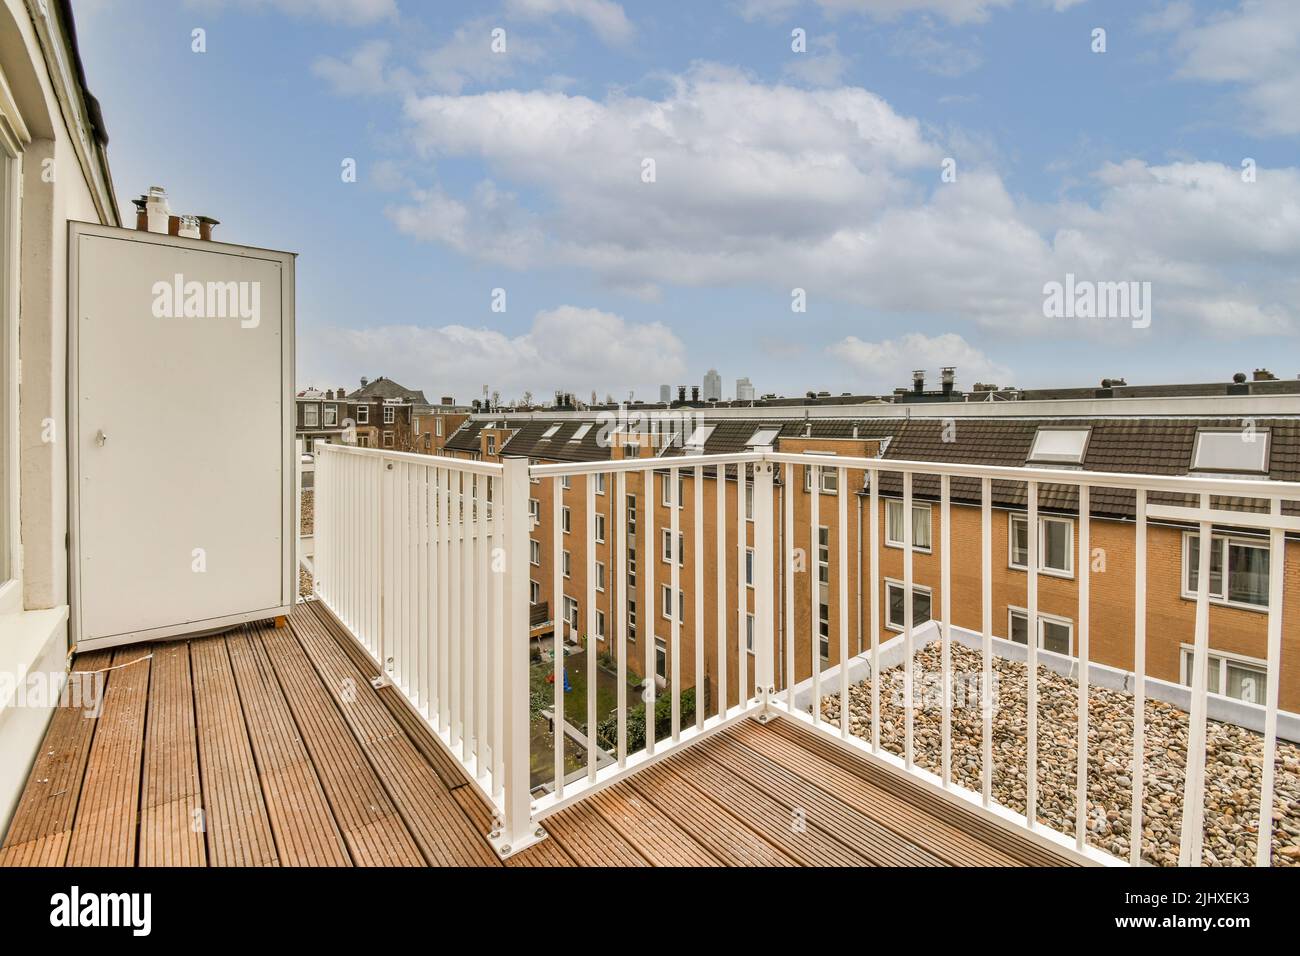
[428, 562]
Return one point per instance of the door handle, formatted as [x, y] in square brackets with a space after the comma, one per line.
[100, 438]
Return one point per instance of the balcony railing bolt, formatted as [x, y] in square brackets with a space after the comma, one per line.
[389, 466]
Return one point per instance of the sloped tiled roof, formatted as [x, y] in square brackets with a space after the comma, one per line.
[382, 388]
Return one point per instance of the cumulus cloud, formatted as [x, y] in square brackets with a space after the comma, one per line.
[604, 16]
[834, 191]
[566, 347]
[1255, 48]
[882, 365]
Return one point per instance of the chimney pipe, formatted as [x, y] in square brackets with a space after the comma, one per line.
[681, 393]
[949, 374]
[695, 393]
[918, 381]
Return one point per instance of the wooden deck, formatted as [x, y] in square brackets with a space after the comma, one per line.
[270, 747]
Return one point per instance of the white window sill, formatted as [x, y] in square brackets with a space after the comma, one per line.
[1224, 602]
[27, 638]
[915, 547]
[1050, 572]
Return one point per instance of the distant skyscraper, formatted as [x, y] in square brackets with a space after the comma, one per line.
[744, 390]
[665, 393]
[712, 386]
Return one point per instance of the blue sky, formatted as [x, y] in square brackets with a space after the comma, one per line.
[774, 170]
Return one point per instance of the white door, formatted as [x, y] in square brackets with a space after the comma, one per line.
[179, 437]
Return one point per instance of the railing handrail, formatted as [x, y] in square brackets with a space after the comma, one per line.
[489, 468]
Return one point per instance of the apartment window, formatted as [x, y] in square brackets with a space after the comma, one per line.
[1054, 633]
[535, 552]
[631, 516]
[363, 414]
[600, 529]
[600, 482]
[1245, 581]
[310, 416]
[749, 501]
[363, 441]
[437, 426]
[749, 567]
[492, 444]
[681, 491]
[749, 633]
[666, 602]
[1230, 675]
[571, 612]
[894, 530]
[824, 592]
[388, 440]
[829, 479]
[631, 619]
[600, 625]
[566, 482]
[428, 441]
[661, 659]
[600, 576]
[331, 415]
[1055, 544]
[534, 593]
[565, 563]
[894, 605]
[566, 520]
[390, 414]
[534, 509]
[666, 536]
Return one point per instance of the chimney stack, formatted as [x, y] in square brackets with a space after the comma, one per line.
[1263, 375]
[949, 375]
[695, 393]
[918, 381]
[681, 393]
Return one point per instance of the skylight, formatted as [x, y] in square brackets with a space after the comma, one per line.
[699, 436]
[763, 437]
[1059, 446]
[550, 431]
[1235, 450]
[578, 435]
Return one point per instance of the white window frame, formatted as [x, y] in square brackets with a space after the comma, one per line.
[1016, 516]
[749, 632]
[599, 529]
[749, 568]
[890, 524]
[665, 546]
[437, 425]
[828, 480]
[1259, 437]
[534, 508]
[600, 482]
[566, 519]
[600, 576]
[749, 500]
[600, 625]
[534, 593]
[661, 658]
[566, 482]
[390, 415]
[535, 552]
[681, 492]
[665, 598]
[390, 440]
[310, 415]
[1225, 540]
[330, 416]
[1185, 661]
[363, 414]
[572, 613]
[891, 582]
[1068, 623]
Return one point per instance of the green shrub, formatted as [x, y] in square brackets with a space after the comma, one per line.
[607, 729]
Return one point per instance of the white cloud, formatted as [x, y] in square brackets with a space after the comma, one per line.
[883, 365]
[1255, 48]
[604, 16]
[567, 347]
[822, 65]
[351, 12]
[365, 72]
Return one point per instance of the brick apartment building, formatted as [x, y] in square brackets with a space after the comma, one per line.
[1135, 442]
[434, 424]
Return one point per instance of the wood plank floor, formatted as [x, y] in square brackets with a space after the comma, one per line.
[270, 747]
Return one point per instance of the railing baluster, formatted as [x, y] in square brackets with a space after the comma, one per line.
[1031, 640]
[697, 533]
[422, 643]
[1085, 582]
[986, 646]
[873, 523]
[515, 696]
[650, 562]
[444, 601]
[557, 617]
[787, 563]
[909, 700]
[500, 649]
[1276, 581]
[842, 559]
[720, 542]
[675, 609]
[813, 568]
[1189, 849]
[621, 578]
[742, 595]
[1139, 672]
[589, 546]
[945, 634]
[483, 639]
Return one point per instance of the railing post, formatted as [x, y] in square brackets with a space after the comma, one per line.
[516, 829]
[764, 583]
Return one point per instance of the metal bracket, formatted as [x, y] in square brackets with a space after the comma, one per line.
[506, 847]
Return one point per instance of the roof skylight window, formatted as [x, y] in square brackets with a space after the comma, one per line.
[580, 433]
[550, 432]
[1059, 446]
[763, 437]
[699, 436]
[1235, 451]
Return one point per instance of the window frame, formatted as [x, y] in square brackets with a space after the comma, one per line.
[363, 414]
[1186, 658]
[1043, 618]
[916, 506]
[598, 528]
[311, 415]
[534, 552]
[900, 627]
[390, 415]
[1013, 517]
[665, 546]
[1188, 594]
